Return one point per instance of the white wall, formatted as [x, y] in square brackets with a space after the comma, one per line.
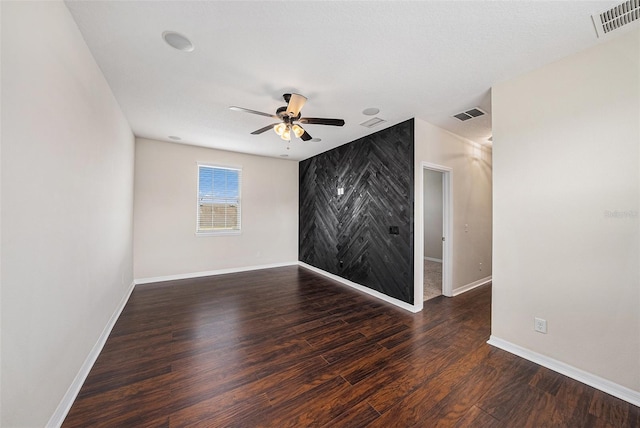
[67, 200]
[566, 151]
[432, 190]
[472, 190]
[165, 243]
[0, 216]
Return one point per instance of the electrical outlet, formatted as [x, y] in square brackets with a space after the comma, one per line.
[540, 325]
[480, 267]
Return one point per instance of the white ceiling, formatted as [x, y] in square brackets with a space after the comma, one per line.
[428, 60]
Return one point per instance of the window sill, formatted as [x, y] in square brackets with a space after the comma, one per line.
[219, 233]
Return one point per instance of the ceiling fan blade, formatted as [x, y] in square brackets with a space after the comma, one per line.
[305, 136]
[296, 101]
[246, 110]
[265, 129]
[321, 121]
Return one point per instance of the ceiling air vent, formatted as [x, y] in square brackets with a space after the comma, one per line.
[470, 114]
[373, 122]
[616, 17]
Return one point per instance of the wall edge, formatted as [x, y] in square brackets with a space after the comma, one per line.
[150, 280]
[604, 385]
[399, 303]
[69, 397]
[472, 285]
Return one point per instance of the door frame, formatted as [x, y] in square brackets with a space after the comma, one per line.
[447, 228]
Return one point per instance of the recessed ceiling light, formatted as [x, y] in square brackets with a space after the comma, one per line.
[316, 140]
[371, 111]
[284, 156]
[173, 137]
[178, 41]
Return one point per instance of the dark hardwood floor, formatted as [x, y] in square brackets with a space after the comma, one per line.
[286, 347]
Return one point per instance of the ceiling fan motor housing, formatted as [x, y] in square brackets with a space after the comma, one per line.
[282, 114]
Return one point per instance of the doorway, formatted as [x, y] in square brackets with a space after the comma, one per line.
[436, 231]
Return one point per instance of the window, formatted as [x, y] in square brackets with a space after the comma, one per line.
[218, 199]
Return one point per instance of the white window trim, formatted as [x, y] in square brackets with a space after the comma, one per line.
[199, 233]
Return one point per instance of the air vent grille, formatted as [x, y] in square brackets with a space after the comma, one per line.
[372, 122]
[469, 114]
[616, 17]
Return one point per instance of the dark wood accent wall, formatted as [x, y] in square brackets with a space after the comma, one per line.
[366, 234]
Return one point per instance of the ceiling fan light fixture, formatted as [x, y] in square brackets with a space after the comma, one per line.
[298, 131]
[280, 128]
[286, 135]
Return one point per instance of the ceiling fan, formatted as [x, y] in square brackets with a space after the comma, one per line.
[290, 119]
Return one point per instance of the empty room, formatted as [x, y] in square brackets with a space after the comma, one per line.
[319, 213]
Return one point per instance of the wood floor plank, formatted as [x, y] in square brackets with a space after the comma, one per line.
[573, 400]
[463, 396]
[510, 389]
[613, 410]
[547, 381]
[360, 415]
[122, 406]
[292, 387]
[351, 351]
[219, 411]
[475, 417]
[306, 409]
[415, 374]
[416, 405]
[286, 347]
[634, 416]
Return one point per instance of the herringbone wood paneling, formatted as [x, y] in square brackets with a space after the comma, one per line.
[376, 173]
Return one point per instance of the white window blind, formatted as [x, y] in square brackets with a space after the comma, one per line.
[218, 199]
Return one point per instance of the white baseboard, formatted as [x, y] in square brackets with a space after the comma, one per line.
[362, 288]
[72, 392]
[587, 378]
[432, 259]
[210, 273]
[471, 286]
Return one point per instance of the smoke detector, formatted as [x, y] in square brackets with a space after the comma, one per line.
[618, 16]
[469, 114]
